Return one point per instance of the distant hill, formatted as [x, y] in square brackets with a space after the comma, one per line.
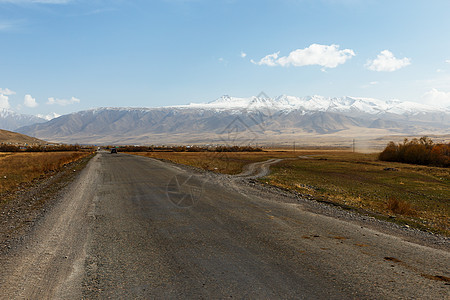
[17, 138]
[231, 120]
[10, 120]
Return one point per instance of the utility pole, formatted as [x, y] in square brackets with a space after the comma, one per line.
[294, 146]
[353, 145]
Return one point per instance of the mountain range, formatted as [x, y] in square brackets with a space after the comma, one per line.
[232, 120]
[10, 120]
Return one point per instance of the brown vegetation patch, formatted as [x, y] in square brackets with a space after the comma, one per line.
[393, 259]
[400, 207]
[340, 238]
[436, 277]
[418, 151]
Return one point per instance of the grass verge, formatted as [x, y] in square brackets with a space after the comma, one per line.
[21, 168]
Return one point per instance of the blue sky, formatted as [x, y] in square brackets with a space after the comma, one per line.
[59, 56]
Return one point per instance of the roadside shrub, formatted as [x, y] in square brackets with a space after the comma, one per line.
[390, 153]
[9, 148]
[399, 207]
[417, 151]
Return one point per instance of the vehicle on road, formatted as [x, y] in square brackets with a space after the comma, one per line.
[113, 150]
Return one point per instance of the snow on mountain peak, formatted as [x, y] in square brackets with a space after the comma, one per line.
[316, 103]
[11, 120]
[49, 116]
[4, 112]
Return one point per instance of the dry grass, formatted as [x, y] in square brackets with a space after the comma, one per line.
[416, 195]
[22, 168]
[400, 207]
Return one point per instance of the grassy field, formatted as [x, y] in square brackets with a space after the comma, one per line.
[22, 168]
[415, 195]
[404, 193]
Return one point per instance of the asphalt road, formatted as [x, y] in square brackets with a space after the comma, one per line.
[135, 228]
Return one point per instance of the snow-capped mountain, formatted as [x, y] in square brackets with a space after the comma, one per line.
[49, 116]
[318, 103]
[244, 120]
[10, 120]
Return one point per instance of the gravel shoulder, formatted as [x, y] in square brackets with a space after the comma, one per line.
[46, 253]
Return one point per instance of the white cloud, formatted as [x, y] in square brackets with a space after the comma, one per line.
[374, 82]
[49, 117]
[436, 98]
[7, 92]
[29, 101]
[63, 102]
[328, 56]
[268, 60]
[447, 61]
[243, 54]
[386, 62]
[4, 101]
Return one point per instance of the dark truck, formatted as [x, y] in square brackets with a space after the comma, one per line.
[113, 150]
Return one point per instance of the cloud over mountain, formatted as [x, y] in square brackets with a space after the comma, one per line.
[29, 101]
[387, 62]
[7, 92]
[321, 55]
[62, 102]
[437, 98]
[4, 102]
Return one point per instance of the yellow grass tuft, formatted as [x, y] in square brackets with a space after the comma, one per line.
[400, 207]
